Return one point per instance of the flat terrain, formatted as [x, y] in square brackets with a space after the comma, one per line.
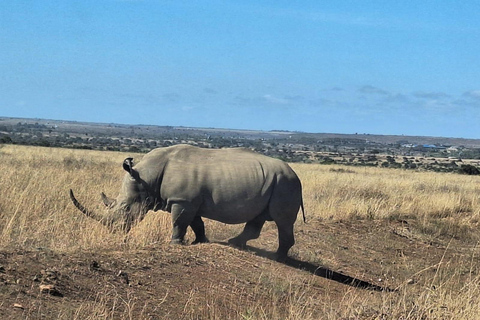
[378, 244]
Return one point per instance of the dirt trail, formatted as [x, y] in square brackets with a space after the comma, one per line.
[213, 280]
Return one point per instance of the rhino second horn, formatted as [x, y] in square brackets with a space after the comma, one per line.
[108, 202]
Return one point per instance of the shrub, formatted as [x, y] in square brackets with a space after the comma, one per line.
[468, 169]
[5, 139]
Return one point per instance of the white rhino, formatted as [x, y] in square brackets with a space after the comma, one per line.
[227, 185]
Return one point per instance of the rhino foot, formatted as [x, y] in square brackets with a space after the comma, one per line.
[281, 257]
[176, 241]
[236, 242]
[202, 240]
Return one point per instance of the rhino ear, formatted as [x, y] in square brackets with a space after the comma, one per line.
[128, 165]
[108, 202]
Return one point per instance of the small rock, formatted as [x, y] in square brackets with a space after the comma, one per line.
[50, 289]
[94, 265]
[18, 306]
[123, 275]
[50, 275]
[410, 281]
[46, 288]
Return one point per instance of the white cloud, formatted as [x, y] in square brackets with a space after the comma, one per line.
[367, 89]
[439, 105]
[396, 98]
[276, 100]
[430, 95]
[474, 94]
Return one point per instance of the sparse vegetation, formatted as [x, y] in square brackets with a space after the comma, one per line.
[413, 231]
[420, 153]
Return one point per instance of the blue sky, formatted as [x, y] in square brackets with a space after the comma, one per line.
[380, 67]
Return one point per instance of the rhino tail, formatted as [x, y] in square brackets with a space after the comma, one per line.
[303, 211]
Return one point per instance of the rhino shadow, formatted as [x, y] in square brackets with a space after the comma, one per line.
[317, 270]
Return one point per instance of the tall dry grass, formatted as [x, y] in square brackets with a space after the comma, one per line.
[35, 208]
[445, 203]
[35, 211]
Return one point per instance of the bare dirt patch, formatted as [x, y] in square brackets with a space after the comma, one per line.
[377, 260]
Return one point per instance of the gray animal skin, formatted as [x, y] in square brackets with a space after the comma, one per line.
[227, 185]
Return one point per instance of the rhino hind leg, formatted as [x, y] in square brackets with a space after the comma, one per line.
[199, 229]
[251, 231]
[285, 240]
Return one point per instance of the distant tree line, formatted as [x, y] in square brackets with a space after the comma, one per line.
[290, 148]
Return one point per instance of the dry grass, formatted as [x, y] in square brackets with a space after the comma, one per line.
[35, 211]
[446, 204]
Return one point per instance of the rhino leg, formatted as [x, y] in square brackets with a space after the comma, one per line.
[285, 240]
[251, 231]
[199, 228]
[183, 215]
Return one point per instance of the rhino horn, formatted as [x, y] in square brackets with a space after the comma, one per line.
[89, 213]
[108, 202]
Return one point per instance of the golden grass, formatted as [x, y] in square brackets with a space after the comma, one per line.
[447, 200]
[35, 211]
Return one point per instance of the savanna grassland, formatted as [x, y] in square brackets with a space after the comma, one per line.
[378, 244]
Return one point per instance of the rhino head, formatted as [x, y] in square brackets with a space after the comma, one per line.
[136, 197]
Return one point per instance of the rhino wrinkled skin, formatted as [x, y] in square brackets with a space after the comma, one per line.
[227, 185]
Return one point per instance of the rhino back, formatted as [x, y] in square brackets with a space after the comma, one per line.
[228, 185]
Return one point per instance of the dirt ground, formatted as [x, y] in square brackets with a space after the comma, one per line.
[217, 281]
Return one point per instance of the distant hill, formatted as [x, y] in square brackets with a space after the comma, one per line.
[153, 130]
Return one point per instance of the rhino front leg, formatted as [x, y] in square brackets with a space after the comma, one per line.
[199, 228]
[182, 217]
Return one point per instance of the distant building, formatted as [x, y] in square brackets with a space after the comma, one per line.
[452, 149]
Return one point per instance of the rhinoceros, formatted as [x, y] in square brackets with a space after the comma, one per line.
[228, 185]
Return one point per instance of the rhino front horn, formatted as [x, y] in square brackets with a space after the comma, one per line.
[79, 205]
[87, 212]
